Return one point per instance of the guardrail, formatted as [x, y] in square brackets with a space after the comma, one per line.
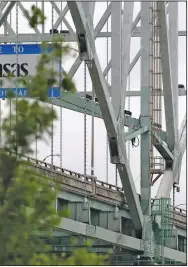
[86, 179]
[60, 170]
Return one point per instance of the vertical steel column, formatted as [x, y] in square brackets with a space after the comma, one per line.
[116, 22]
[156, 161]
[173, 47]
[169, 177]
[167, 76]
[89, 14]
[146, 43]
[126, 45]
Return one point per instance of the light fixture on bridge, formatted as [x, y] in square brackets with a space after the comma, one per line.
[85, 204]
[54, 31]
[64, 32]
[181, 89]
[96, 100]
[82, 43]
[128, 113]
[89, 97]
[116, 213]
[176, 187]
[55, 155]
[181, 86]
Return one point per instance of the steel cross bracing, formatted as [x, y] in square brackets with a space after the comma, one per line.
[112, 109]
[10, 35]
[118, 152]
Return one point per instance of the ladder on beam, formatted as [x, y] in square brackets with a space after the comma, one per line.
[156, 161]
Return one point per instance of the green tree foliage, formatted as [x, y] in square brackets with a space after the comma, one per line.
[26, 200]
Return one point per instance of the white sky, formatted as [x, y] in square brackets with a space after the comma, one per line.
[73, 123]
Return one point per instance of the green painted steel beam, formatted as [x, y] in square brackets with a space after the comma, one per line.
[134, 133]
[145, 120]
[76, 103]
[162, 147]
[118, 239]
[131, 122]
[102, 234]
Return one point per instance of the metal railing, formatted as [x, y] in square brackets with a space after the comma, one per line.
[88, 178]
[60, 170]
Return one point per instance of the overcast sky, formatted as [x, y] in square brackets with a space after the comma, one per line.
[73, 123]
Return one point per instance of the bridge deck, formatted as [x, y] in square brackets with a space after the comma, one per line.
[78, 183]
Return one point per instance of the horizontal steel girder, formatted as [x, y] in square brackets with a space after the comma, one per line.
[132, 93]
[76, 103]
[117, 239]
[31, 37]
[124, 241]
[134, 133]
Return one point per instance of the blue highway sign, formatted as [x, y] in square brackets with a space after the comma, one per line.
[24, 65]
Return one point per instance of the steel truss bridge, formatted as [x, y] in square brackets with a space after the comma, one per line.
[115, 217]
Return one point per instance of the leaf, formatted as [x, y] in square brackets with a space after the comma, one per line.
[68, 84]
[26, 199]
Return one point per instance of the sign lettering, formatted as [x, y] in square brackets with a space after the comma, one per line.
[18, 70]
[18, 49]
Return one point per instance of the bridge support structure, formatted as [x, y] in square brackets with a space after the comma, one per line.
[161, 151]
